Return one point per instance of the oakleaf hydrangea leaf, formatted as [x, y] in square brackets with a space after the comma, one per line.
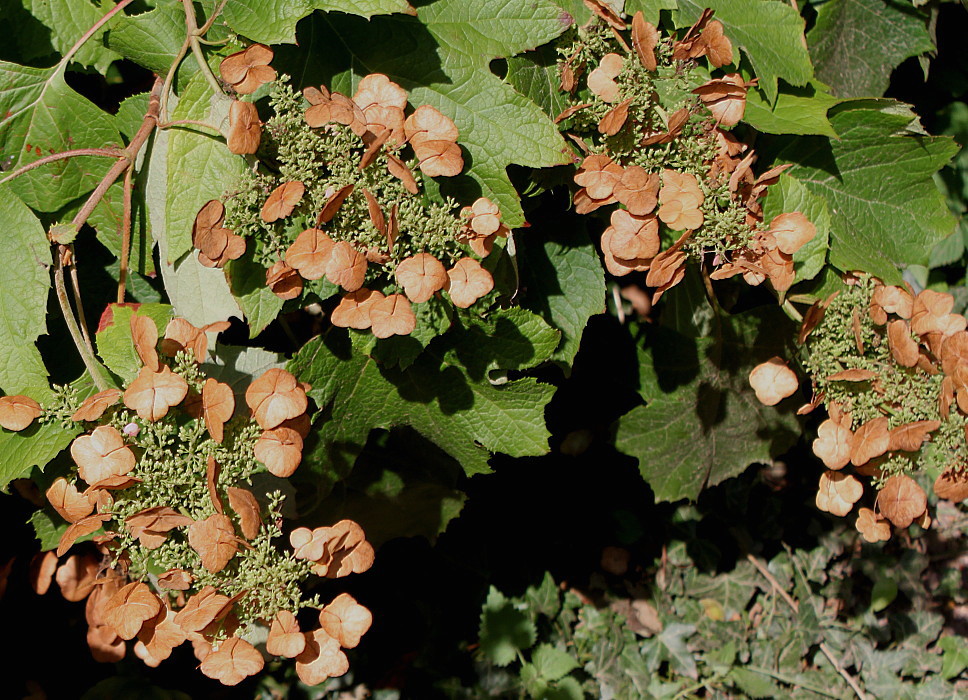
[795, 111]
[855, 44]
[68, 20]
[769, 33]
[442, 59]
[702, 423]
[42, 115]
[885, 209]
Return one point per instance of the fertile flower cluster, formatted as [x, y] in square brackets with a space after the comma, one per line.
[891, 368]
[652, 134]
[339, 201]
[168, 474]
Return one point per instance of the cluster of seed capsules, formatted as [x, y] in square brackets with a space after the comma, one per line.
[183, 542]
[674, 170]
[393, 153]
[891, 369]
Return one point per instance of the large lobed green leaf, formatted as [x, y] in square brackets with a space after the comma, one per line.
[68, 20]
[442, 59]
[886, 211]
[855, 44]
[770, 33]
[274, 22]
[800, 111]
[33, 447]
[42, 115]
[701, 422]
[25, 262]
[446, 395]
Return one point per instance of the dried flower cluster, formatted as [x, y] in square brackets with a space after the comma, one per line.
[170, 481]
[338, 201]
[654, 141]
[891, 368]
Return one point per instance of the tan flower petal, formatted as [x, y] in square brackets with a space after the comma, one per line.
[334, 203]
[282, 201]
[439, 158]
[345, 620]
[834, 444]
[615, 118]
[894, 300]
[94, 406]
[392, 315]
[42, 568]
[106, 646]
[310, 253]
[321, 659]
[247, 70]
[153, 393]
[102, 454]
[870, 440]
[218, 405]
[901, 500]
[872, 527]
[725, 97]
[719, 50]
[353, 311]
[792, 231]
[421, 275]
[838, 492]
[17, 412]
[285, 638]
[429, 124]
[214, 540]
[274, 397]
[773, 381]
[245, 129]
[202, 609]
[284, 281]
[468, 282]
[280, 449]
[601, 80]
[911, 436]
[246, 507]
[346, 267]
[76, 576]
[852, 375]
[175, 580]
[952, 485]
[378, 89]
[233, 661]
[645, 37]
[633, 237]
[400, 171]
[158, 638]
[128, 609]
[68, 501]
[638, 190]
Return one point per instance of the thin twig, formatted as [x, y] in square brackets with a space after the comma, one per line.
[125, 234]
[211, 20]
[170, 78]
[94, 367]
[76, 287]
[107, 152]
[851, 681]
[193, 33]
[93, 30]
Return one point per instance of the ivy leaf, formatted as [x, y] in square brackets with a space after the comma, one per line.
[40, 111]
[856, 44]
[702, 423]
[565, 284]
[769, 33]
[271, 22]
[467, 418]
[442, 60]
[885, 209]
[955, 658]
[33, 447]
[505, 630]
[552, 663]
[67, 21]
[796, 111]
[114, 343]
[24, 274]
[670, 645]
[789, 195]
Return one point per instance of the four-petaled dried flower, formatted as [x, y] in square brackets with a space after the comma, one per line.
[18, 412]
[247, 70]
[274, 397]
[773, 381]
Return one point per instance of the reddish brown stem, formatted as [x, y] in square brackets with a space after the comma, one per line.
[125, 234]
[107, 152]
